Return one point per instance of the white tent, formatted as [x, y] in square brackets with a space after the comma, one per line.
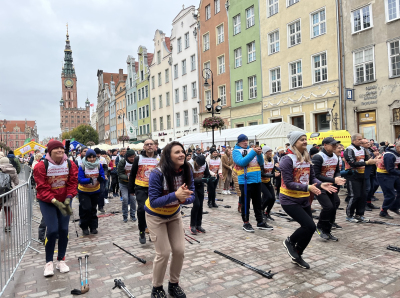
[271, 134]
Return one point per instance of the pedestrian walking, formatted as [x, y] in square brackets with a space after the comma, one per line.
[298, 179]
[56, 184]
[170, 185]
[267, 173]
[114, 173]
[124, 171]
[14, 161]
[11, 199]
[227, 166]
[215, 167]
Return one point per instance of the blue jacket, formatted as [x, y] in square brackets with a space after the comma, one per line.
[252, 162]
[389, 160]
[82, 180]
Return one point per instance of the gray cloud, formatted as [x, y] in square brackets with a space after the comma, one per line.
[102, 34]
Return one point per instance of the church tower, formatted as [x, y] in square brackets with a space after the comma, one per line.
[70, 115]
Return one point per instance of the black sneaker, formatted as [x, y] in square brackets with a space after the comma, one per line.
[385, 215]
[331, 237]
[214, 205]
[336, 226]
[176, 291]
[102, 210]
[248, 228]
[264, 226]
[209, 205]
[367, 208]
[290, 248]
[269, 217]
[301, 263]
[372, 206]
[200, 229]
[85, 232]
[158, 293]
[322, 234]
[142, 237]
[94, 231]
[193, 230]
[374, 199]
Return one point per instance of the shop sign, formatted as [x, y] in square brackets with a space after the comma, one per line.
[367, 117]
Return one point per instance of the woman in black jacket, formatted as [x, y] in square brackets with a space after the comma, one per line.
[267, 173]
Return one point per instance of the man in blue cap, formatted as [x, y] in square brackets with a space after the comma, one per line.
[248, 162]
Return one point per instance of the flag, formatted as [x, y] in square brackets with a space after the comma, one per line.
[92, 104]
[27, 141]
[130, 129]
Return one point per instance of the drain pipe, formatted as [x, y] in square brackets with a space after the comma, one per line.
[341, 68]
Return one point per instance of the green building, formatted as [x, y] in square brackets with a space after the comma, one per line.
[143, 91]
[245, 63]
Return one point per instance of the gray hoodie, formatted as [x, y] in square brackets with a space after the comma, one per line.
[9, 169]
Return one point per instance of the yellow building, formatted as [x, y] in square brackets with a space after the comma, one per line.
[120, 109]
[300, 63]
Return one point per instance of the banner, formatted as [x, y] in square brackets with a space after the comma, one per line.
[130, 129]
[26, 148]
[27, 141]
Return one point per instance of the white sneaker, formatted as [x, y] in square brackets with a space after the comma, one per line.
[106, 201]
[224, 192]
[228, 192]
[62, 266]
[48, 269]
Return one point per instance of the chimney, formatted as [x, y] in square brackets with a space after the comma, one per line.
[121, 75]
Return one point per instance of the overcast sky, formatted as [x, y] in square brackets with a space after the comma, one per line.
[102, 34]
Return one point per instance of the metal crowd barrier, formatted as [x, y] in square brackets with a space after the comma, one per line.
[15, 226]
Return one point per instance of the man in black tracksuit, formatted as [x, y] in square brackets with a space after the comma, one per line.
[371, 182]
[326, 169]
[356, 159]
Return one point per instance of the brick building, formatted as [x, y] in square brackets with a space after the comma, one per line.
[70, 115]
[15, 132]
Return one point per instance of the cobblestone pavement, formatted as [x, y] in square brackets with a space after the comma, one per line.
[359, 265]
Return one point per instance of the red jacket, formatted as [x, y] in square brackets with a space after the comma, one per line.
[44, 191]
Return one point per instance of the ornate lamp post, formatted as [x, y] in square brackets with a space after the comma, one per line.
[122, 113]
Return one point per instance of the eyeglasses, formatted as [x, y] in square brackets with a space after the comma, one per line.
[149, 144]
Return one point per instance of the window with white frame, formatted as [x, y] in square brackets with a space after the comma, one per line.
[134, 97]
[147, 111]
[364, 70]
[320, 68]
[236, 24]
[251, 52]
[154, 124]
[217, 6]
[208, 12]
[296, 76]
[273, 40]
[186, 40]
[207, 65]
[206, 41]
[361, 18]
[179, 43]
[222, 94]
[140, 96]
[252, 87]
[141, 130]
[238, 57]
[167, 75]
[294, 33]
[153, 103]
[221, 64]
[392, 10]
[168, 121]
[160, 103]
[183, 67]
[148, 128]
[250, 17]
[318, 23]
[208, 97]
[186, 118]
[159, 79]
[275, 75]
[178, 119]
[175, 71]
[192, 62]
[239, 90]
[394, 58]
[152, 82]
[194, 90]
[184, 90]
[177, 95]
[158, 57]
[291, 2]
[146, 91]
[167, 99]
[140, 113]
[195, 116]
[273, 7]
[220, 34]
[134, 115]
[161, 123]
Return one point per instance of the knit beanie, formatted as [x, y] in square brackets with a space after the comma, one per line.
[242, 137]
[10, 152]
[4, 160]
[293, 136]
[53, 145]
[129, 153]
[212, 150]
[200, 160]
[265, 149]
[90, 153]
[314, 151]
[97, 150]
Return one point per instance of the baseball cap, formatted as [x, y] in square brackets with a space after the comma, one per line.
[330, 141]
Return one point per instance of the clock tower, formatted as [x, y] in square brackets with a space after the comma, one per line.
[71, 116]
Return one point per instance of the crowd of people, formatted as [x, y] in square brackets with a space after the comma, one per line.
[152, 184]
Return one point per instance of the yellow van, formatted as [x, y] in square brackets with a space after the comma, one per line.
[341, 135]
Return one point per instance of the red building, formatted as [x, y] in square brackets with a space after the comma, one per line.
[15, 132]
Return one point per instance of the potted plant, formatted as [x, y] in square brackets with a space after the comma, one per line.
[213, 123]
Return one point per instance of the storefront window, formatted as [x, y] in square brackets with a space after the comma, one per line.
[298, 121]
[321, 124]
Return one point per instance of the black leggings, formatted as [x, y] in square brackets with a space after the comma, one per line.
[212, 189]
[114, 183]
[329, 203]
[302, 236]
[268, 196]
[197, 210]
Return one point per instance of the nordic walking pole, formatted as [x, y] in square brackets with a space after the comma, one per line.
[136, 257]
[120, 284]
[192, 238]
[188, 241]
[73, 217]
[86, 273]
[76, 291]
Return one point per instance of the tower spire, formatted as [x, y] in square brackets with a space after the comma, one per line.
[68, 69]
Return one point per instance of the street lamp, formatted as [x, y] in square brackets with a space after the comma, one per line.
[334, 119]
[207, 74]
[119, 113]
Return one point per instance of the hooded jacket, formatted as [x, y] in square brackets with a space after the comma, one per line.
[243, 161]
[389, 159]
[16, 161]
[9, 169]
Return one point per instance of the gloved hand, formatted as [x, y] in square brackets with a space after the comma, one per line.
[91, 181]
[100, 178]
[60, 206]
[68, 206]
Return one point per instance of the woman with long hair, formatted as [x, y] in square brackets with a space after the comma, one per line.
[267, 173]
[298, 180]
[170, 185]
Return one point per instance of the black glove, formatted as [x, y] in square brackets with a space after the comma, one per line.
[91, 181]
[100, 178]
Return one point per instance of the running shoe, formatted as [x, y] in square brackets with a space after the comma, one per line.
[385, 215]
[264, 226]
[372, 206]
[62, 266]
[193, 230]
[94, 231]
[200, 229]
[322, 234]
[301, 263]
[85, 232]
[248, 228]
[352, 219]
[49, 269]
[269, 217]
[331, 237]
[361, 218]
[290, 248]
[106, 201]
[142, 237]
[336, 226]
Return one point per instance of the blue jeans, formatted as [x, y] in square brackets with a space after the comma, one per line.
[126, 197]
[106, 186]
[389, 184]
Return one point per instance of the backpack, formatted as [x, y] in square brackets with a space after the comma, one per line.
[5, 183]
